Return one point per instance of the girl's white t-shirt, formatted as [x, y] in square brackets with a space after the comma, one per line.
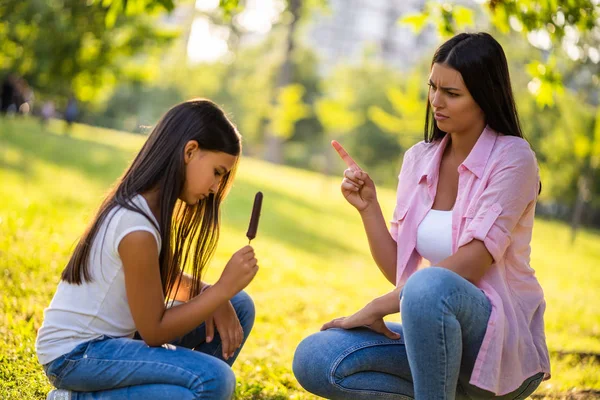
[80, 313]
[434, 236]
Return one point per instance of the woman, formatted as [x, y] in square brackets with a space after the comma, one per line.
[162, 215]
[472, 323]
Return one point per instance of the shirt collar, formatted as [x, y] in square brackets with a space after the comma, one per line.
[475, 161]
[480, 153]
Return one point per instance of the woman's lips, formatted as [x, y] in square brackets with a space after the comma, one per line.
[439, 117]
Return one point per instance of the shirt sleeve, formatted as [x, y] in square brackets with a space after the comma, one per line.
[510, 189]
[132, 221]
[401, 204]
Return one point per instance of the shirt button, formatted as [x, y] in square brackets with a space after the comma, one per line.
[462, 168]
[495, 208]
[471, 210]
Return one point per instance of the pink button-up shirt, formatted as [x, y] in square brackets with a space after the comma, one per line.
[498, 185]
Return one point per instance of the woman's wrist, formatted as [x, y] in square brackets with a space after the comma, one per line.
[371, 210]
[385, 305]
[377, 307]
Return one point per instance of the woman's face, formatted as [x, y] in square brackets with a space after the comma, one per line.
[454, 109]
[204, 171]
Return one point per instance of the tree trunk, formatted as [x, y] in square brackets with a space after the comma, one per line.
[583, 196]
[274, 143]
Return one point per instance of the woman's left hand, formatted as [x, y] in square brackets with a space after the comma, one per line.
[228, 325]
[366, 317]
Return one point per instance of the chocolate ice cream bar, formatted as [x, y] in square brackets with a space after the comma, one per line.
[253, 227]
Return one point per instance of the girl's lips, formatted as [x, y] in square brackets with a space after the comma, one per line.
[440, 117]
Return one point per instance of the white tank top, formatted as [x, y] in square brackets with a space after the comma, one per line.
[434, 236]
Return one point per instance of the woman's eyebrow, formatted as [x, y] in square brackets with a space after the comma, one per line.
[443, 87]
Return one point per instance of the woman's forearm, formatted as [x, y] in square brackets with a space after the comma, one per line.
[387, 304]
[383, 247]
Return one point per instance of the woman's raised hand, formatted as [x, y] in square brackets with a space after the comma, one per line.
[357, 187]
[239, 271]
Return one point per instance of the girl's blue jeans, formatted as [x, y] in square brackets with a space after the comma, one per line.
[444, 319]
[121, 368]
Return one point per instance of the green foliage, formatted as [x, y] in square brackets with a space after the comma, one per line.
[546, 81]
[288, 110]
[230, 7]
[563, 138]
[335, 115]
[553, 16]
[446, 17]
[52, 184]
[67, 46]
[562, 28]
[408, 101]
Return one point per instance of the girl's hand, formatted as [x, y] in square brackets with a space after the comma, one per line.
[228, 325]
[366, 317]
[239, 271]
[357, 186]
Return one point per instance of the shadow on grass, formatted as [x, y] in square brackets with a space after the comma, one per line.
[98, 161]
[578, 356]
[21, 167]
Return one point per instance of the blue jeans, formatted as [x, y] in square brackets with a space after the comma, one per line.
[121, 368]
[444, 319]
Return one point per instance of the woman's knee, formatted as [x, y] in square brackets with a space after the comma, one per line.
[313, 364]
[428, 286]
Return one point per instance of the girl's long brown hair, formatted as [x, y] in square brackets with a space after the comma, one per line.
[188, 233]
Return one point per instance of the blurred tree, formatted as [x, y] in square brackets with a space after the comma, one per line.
[350, 95]
[281, 122]
[78, 47]
[408, 100]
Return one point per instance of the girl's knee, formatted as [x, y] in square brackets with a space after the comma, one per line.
[216, 382]
[244, 307]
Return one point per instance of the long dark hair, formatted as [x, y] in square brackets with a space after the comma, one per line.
[159, 165]
[481, 61]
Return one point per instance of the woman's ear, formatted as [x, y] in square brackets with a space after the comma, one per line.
[191, 147]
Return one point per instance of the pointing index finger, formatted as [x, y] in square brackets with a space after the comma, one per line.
[345, 156]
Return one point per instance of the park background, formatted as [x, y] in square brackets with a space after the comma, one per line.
[89, 79]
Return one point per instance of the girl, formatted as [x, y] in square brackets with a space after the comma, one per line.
[162, 213]
[472, 324]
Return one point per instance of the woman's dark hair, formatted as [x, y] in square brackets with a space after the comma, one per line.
[184, 229]
[481, 61]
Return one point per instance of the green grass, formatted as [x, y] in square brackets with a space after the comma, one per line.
[314, 257]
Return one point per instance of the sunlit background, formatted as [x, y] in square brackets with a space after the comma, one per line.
[84, 82]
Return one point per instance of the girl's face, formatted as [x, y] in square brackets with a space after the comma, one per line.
[454, 109]
[203, 172]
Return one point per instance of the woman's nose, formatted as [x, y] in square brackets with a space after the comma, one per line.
[436, 99]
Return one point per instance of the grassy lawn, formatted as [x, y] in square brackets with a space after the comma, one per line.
[314, 257]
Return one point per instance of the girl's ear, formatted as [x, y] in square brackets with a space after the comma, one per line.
[190, 148]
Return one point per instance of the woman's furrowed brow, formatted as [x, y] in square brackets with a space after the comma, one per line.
[443, 87]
